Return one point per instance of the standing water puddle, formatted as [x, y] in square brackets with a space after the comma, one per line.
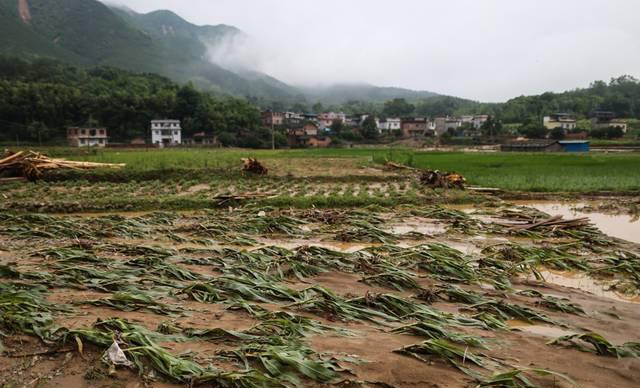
[541, 330]
[625, 227]
[585, 283]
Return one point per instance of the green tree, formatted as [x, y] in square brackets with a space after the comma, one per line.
[38, 131]
[337, 126]
[318, 107]
[557, 133]
[533, 131]
[398, 107]
[491, 127]
[369, 128]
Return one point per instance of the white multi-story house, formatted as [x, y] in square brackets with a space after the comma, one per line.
[166, 132]
[389, 125]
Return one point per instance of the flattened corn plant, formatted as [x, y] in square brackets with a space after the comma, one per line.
[497, 308]
[23, 309]
[596, 343]
[554, 303]
[364, 231]
[146, 354]
[516, 258]
[135, 300]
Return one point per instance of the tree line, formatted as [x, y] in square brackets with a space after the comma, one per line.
[39, 99]
[620, 95]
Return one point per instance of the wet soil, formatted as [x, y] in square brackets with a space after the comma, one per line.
[612, 314]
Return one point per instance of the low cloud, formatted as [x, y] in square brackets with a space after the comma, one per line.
[488, 50]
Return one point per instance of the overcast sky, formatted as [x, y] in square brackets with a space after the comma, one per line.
[489, 50]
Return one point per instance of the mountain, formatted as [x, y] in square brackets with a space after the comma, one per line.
[90, 33]
[87, 33]
[341, 93]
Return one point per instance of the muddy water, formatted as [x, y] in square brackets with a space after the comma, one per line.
[346, 247]
[583, 282]
[423, 228]
[540, 330]
[625, 227]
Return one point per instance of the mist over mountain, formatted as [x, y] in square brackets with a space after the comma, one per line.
[218, 59]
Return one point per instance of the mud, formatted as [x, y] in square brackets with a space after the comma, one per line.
[612, 314]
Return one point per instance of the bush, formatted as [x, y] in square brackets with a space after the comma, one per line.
[607, 133]
[557, 133]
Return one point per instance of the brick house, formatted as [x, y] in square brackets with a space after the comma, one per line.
[414, 128]
[601, 120]
[87, 137]
[270, 118]
[307, 136]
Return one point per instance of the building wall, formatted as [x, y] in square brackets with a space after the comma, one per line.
[414, 128]
[273, 118]
[317, 142]
[310, 129]
[87, 137]
[394, 124]
[555, 147]
[478, 121]
[551, 123]
[166, 132]
[601, 124]
[576, 147]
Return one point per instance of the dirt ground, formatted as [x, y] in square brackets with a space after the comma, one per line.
[369, 354]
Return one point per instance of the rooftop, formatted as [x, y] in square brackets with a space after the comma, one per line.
[532, 143]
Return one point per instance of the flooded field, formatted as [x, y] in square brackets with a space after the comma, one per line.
[624, 226]
[251, 297]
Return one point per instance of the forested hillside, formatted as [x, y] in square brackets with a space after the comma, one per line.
[88, 33]
[39, 99]
[620, 95]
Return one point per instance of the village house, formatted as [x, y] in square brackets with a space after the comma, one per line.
[444, 124]
[414, 127]
[479, 120]
[292, 119]
[467, 119]
[308, 135]
[560, 120]
[87, 137]
[201, 139]
[166, 132]
[389, 125]
[270, 118]
[353, 121]
[326, 119]
[601, 120]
